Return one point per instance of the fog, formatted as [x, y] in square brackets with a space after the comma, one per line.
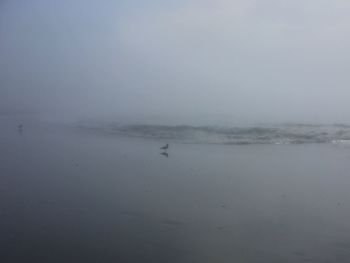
[174, 131]
[176, 61]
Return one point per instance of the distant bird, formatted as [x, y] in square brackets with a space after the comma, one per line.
[20, 129]
[165, 147]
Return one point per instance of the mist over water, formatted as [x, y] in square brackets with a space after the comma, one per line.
[192, 131]
[189, 62]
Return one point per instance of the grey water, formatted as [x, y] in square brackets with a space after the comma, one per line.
[68, 195]
[288, 133]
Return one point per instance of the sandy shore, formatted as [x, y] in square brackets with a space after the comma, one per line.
[71, 196]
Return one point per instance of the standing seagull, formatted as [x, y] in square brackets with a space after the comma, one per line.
[165, 147]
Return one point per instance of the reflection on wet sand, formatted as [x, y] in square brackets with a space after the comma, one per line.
[76, 197]
[165, 154]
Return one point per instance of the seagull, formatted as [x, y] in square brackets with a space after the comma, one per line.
[165, 147]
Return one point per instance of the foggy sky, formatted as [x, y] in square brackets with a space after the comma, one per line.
[236, 61]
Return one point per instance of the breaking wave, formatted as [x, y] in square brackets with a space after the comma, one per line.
[277, 134]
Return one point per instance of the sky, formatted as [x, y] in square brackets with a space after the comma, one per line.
[177, 61]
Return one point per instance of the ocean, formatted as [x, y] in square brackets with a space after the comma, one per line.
[105, 192]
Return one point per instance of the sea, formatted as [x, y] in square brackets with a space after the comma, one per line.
[93, 191]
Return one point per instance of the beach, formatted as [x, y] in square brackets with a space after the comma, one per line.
[71, 195]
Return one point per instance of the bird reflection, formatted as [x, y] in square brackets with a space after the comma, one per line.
[165, 154]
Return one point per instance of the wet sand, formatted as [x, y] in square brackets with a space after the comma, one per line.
[67, 195]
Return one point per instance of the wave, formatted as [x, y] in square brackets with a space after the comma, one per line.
[265, 134]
